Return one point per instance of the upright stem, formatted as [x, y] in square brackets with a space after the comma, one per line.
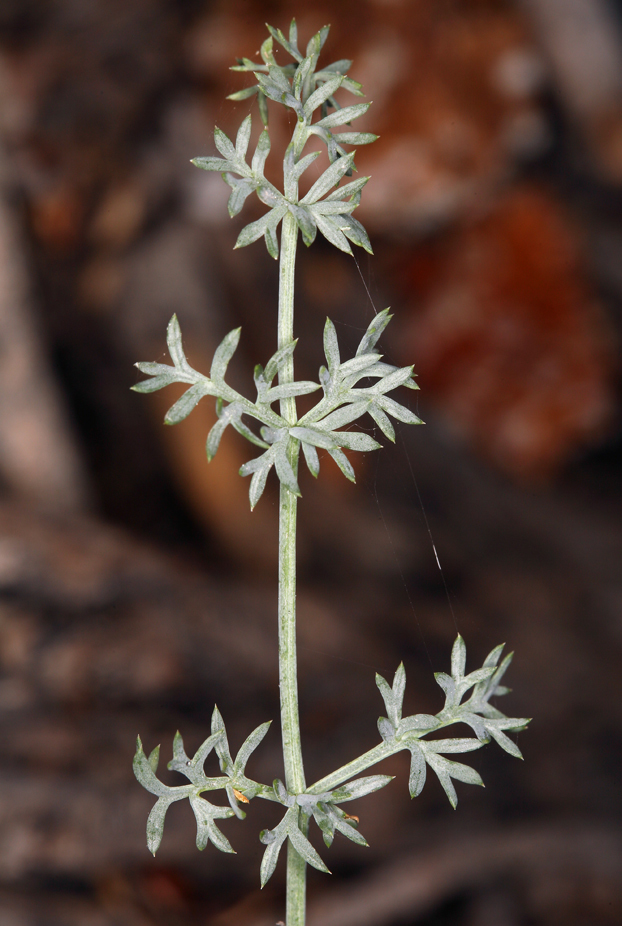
[288, 675]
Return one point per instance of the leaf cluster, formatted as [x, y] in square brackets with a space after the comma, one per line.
[344, 401]
[328, 816]
[485, 720]
[304, 89]
[237, 786]
[397, 732]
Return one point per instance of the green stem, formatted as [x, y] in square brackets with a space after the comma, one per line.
[369, 758]
[288, 675]
[346, 772]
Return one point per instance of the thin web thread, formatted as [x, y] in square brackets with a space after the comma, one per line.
[421, 505]
[429, 530]
[375, 311]
[399, 565]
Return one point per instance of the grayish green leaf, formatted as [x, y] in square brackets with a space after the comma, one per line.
[304, 387]
[249, 745]
[355, 232]
[223, 354]
[360, 787]
[359, 364]
[458, 658]
[240, 191]
[382, 421]
[266, 52]
[207, 831]
[331, 346]
[243, 94]
[355, 440]
[278, 35]
[154, 759]
[447, 684]
[314, 436]
[494, 655]
[386, 729]
[255, 230]
[349, 189]
[457, 744]
[174, 344]
[333, 208]
[331, 231]
[504, 741]
[439, 765]
[271, 242]
[155, 822]
[329, 179]
[343, 463]
[263, 107]
[320, 95]
[303, 163]
[273, 839]
[217, 164]
[416, 779]
[344, 415]
[419, 722]
[304, 848]
[225, 146]
[311, 457]
[344, 116]
[284, 470]
[306, 223]
[399, 412]
[338, 67]
[158, 382]
[261, 153]
[243, 138]
[355, 138]
[182, 408]
[278, 359]
[392, 381]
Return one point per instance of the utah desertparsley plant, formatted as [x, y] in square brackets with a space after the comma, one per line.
[349, 389]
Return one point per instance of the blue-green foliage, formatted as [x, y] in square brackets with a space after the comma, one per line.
[303, 88]
[349, 390]
[344, 401]
[398, 733]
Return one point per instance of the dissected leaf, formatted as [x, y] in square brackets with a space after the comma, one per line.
[249, 745]
[225, 145]
[458, 658]
[417, 776]
[343, 463]
[329, 179]
[311, 457]
[182, 408]
[331, 231]
[173, 342]
[331, 346]
[243, 138]
[343, 116]
[223, 354]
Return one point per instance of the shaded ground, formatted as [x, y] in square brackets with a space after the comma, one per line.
[136, 590]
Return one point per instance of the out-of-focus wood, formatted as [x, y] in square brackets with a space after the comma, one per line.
[584, 44]
[509, 339]
[39, 459]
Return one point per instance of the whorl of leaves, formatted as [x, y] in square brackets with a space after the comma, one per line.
[322, 805]
[344, 401]
[305, 89]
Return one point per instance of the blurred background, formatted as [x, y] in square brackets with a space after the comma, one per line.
[136, 587]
